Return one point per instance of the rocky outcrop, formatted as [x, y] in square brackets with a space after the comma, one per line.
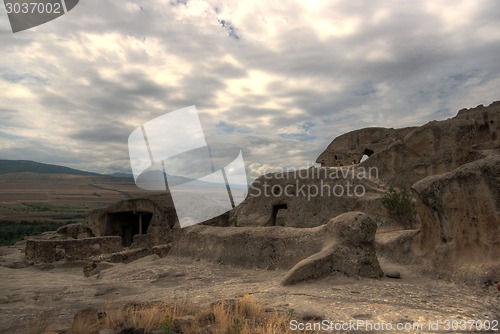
[396, 245]
[310, 197]
[345, 245]
[349, 252]
[350, 147]
[75, 231]
[148, 221]
[460, 216]
[404, 156]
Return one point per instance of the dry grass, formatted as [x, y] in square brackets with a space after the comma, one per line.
[147, 317]
[40, 324]
[242, 316]
[85, 323]
[114, 316]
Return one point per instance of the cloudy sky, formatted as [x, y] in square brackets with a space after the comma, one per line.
[280, 79]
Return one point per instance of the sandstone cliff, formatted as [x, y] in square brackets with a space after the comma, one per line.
[404, 156]
[460, 216]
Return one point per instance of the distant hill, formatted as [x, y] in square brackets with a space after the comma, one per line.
[122, 175]
[32, 191]
[27, 166]
[23, 166]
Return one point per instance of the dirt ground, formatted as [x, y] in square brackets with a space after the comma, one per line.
[414, 300]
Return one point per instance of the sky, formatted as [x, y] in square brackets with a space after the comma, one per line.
[279, 79]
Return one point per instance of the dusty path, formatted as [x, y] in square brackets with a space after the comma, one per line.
[60, 291]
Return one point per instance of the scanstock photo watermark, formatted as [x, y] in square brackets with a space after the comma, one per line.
[313, 181]
[26, 14]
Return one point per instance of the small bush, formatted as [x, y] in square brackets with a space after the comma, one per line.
[400, 206]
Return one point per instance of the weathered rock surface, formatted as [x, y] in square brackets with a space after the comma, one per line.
[248, 247]
[157, 213]
[460, 216]
[350, 147]
[310, 197]
[393, 274]
[60, 292]
[404, 156]
[344, 245]
[396, 245]
[350, 251]
[75, 231]
[55, 250]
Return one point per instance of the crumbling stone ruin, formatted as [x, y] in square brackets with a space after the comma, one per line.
[80, 249]
[126, 229]
[299, 220]
[139, 222]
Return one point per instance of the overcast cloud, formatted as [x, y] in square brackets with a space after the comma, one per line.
[279, 79]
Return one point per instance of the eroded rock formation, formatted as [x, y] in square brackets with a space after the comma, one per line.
[343, 246]
[76, 231]
[350, 147]
[310, 197]
[457, 164]
[460, 215]
[350, 251]
[404, 156]
[144, 221]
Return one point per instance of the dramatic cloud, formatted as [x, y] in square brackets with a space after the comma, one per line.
[278, 79]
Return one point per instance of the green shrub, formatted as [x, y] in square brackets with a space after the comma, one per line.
[400, 207]
[11, 232]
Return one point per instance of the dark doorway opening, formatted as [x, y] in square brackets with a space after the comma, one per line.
[368, 152]
[278, 215]
[128, 224]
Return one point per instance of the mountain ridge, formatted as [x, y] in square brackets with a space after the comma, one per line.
[23, 166]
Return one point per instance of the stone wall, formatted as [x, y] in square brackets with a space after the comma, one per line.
[80, 249]
[345, 245]
[142, 241]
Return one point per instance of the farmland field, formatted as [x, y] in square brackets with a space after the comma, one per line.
[59, 198]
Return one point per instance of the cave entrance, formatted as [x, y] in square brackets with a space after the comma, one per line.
[366, 154]
[127, 224]
[279, 214]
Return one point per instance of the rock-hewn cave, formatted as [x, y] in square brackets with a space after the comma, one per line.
[127, 224]
[277, 217]
[368, 152]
